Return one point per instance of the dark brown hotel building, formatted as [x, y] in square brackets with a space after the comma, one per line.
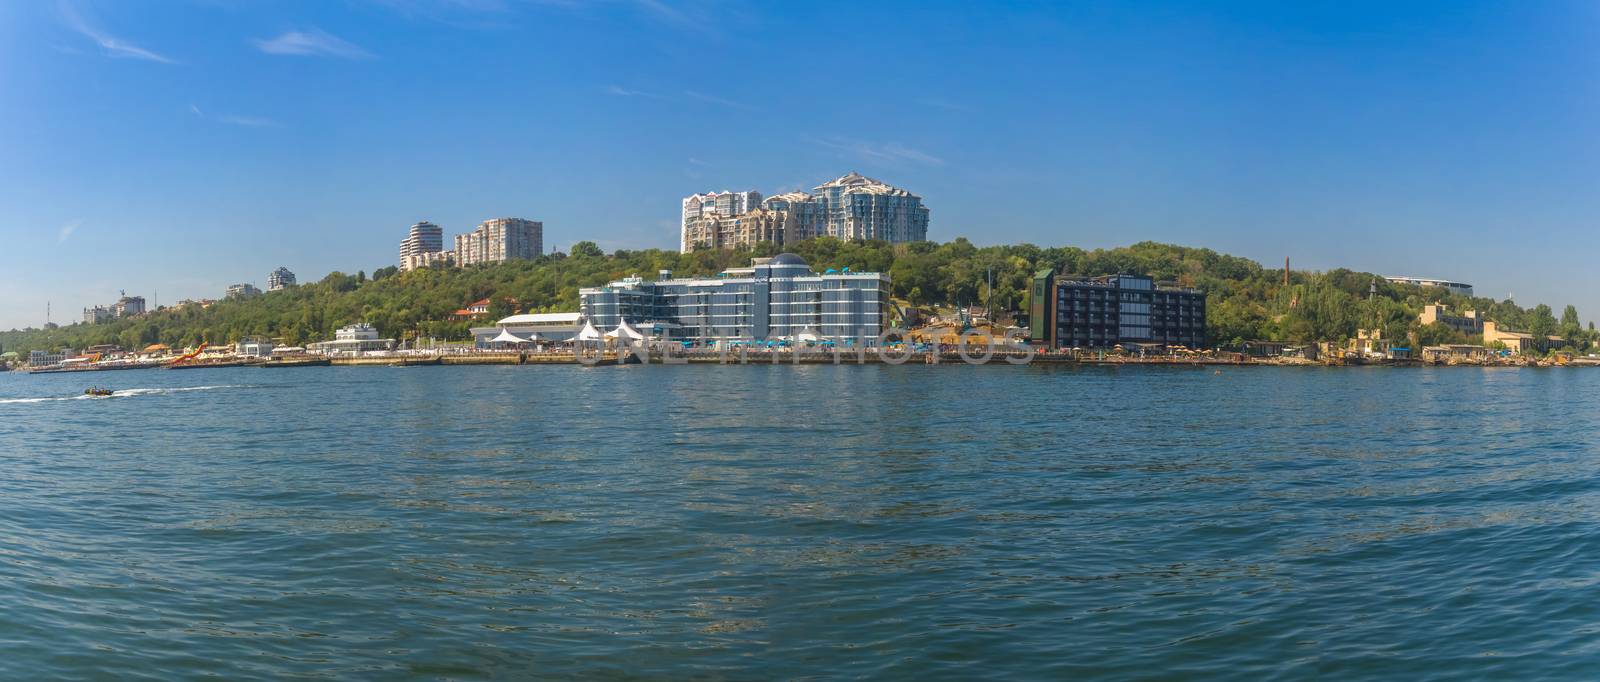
[1126, 310]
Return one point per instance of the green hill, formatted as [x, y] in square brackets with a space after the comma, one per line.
[1244, 300]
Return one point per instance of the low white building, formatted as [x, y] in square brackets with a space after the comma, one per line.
[531, 327]
[256, 348]
[356, 338]
[40, 358]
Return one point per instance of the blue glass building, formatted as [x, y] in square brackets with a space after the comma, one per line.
[775, 298]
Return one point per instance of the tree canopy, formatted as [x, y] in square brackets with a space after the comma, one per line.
[1244, 301]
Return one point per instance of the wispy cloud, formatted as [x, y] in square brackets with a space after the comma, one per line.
[250, 121]
[681, 16]
[196, 110]
[66, 231]
[885, 154]
[620, 91]
[111, 45]
[313, 43]
[716, 100]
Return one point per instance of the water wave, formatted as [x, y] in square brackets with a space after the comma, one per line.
[119, 393]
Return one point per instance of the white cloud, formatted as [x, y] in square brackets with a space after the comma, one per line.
[890, 153]
[250, 121]
[111, 45]
[624, 92]
[313, 43]
[620, 91]
[66, 231]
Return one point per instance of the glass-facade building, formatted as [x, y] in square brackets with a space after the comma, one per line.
[776, 298]
[1126, 310]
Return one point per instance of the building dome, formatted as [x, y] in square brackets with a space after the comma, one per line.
[786, 259]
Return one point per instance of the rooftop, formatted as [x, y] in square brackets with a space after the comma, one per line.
[856, 182]
[542, 318]
[786, 259]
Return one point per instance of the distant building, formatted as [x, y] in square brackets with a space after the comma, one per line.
[245, 290]
[126, 306]
[809, 215]
[281, 278]
[701, 211]
[778, 298]
[1437, 313]
[479, 308]
[355, 338]
[745, 229]
[1104, 312]
[129, 306]
[1517, 342]
[39, 358]
[850, 207]
[254, 347]
[858, 207]
[97, 314]
[1452, 287]
[1370, 342]
[500, 239]
[423, 238]
[427, 259]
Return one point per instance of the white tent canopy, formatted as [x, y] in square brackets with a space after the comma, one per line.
[624, 331]
[807, 334]
[588, 333]
[507, 337]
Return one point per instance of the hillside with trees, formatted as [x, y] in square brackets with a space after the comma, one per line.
[1244, 300]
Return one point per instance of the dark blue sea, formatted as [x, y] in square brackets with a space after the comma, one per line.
[811, 522]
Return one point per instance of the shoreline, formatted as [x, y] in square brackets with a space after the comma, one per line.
[613, 358]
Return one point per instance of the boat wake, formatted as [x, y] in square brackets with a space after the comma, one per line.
[119, 393]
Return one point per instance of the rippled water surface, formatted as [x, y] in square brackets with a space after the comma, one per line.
[817, 521]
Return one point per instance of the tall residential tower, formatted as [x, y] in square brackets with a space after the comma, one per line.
[500, 239]
[851, 207]
[701, 212]
[424, 238]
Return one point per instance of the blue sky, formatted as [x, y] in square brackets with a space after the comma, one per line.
[177, 147]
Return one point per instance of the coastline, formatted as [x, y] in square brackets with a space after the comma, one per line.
[610, 358]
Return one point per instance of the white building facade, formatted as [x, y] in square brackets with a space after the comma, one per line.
[778, 298]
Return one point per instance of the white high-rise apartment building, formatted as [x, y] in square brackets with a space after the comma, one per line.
[281, 278]
[858, 207]
[425, 237]
[851, 207]
[701, 212]
[500, 239]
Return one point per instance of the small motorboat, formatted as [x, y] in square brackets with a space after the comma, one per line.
[97, 391]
